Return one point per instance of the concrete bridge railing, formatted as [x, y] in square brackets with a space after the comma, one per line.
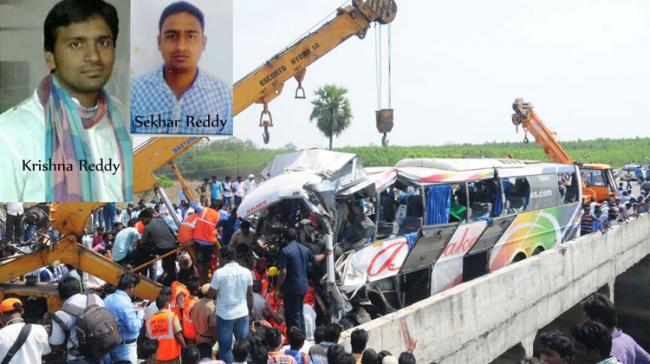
[481, 319]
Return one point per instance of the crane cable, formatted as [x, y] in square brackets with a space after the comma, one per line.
[378, 56]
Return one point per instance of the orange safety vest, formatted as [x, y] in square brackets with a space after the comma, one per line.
[206, 225]
[177, 289]
[140, 227]
[186, 230]
[160, 327]
[189, 331]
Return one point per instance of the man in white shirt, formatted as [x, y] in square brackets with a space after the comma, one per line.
[232, 286]
[250, 184]
[71, 294]
[240, 190]
[69, 141]
[34, 346]
[14, 222]
[227, 193]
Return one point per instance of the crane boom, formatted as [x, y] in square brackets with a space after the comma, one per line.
[526, 117]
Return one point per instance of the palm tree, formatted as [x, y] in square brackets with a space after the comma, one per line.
[331, 111]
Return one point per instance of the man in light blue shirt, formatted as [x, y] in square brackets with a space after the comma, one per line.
[215, 189]
[125, 242]
[178, 98]
[129, 319]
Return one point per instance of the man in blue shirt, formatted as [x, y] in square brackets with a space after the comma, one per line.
[293, 262]
[215, 189]
[178, 98]
[129, 319]
[124, 244]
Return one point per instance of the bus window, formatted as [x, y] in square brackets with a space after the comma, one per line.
[568, 187]
[516, 193]
[410, 210]
[484, 199]
[438, 204]
[458, 210]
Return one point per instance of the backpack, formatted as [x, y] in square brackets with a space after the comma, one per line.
[95, 327]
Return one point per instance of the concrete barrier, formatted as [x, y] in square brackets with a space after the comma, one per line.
[479, 320]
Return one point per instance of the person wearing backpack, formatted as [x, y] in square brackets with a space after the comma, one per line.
[129, 319]
[83, 327]
[20, 343]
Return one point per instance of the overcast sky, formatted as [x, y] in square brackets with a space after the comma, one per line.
[458, 65]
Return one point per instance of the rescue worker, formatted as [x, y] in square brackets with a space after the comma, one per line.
[205, 236]
[179, 294]
[189, 330]
[165, 327]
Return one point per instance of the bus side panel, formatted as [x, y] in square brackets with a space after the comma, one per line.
[530, 230]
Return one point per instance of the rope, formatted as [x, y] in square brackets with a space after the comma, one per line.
[378, 64]
[390, 53]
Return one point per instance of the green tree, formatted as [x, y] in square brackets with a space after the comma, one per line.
[332, 111]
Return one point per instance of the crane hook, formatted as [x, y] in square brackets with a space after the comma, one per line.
[266, 136]
[384, 140]
[526, 139]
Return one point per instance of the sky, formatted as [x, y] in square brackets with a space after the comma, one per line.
[457, 66]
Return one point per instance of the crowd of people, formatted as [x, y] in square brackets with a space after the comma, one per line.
[224, 301]
[597, 340]
[619, 209]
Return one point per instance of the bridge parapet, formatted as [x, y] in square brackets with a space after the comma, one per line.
[479, 320]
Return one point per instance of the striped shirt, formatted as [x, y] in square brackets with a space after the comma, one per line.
[231, 283]
[203, 109]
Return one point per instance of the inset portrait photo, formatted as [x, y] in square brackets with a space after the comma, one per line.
[64, 129]
[181, 65]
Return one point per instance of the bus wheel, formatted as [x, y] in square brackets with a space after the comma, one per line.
[519, 257]
[538, 250]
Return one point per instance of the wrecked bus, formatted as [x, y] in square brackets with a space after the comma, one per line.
[401, 234]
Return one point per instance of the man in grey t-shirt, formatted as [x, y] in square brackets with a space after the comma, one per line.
[159, 237]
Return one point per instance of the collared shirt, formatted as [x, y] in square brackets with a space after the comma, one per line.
[626, 349]
[22, 137]
[610, 360]
[124, 242]
[318, 352]
[129, 320]
[158, 233]
[231, 283]
[32, 350]
[58, 336]
[151, 98]
[295, 258]
[202, 314]
[215, 190]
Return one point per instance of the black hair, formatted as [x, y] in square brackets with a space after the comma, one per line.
[334, 352]
[319, 334]
[181, 7]
[67, 12]
[194, 284]
[556, 341]
[191, 355]
[245, 225]
[146, 213]
[131, 222]
[359, 340]
[128, 280]
[601, 309]
[272, 338]
[345, 358]
[216, 204]
[382, 354]
[240, 351]
[296, 337]
[165, 291]
[292, 234]
[594, 336]
[227, 253]
[242, 248]
[147, 347]
[369, 357]
[68, 287]
[258, 352]
[162, 301]
[406, 358]
[332, 332]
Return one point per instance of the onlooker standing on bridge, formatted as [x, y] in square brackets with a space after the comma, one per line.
[358, 341]
[586, 222]
[599, 308]
[593, 343]
[555, 348]
[215, 189]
